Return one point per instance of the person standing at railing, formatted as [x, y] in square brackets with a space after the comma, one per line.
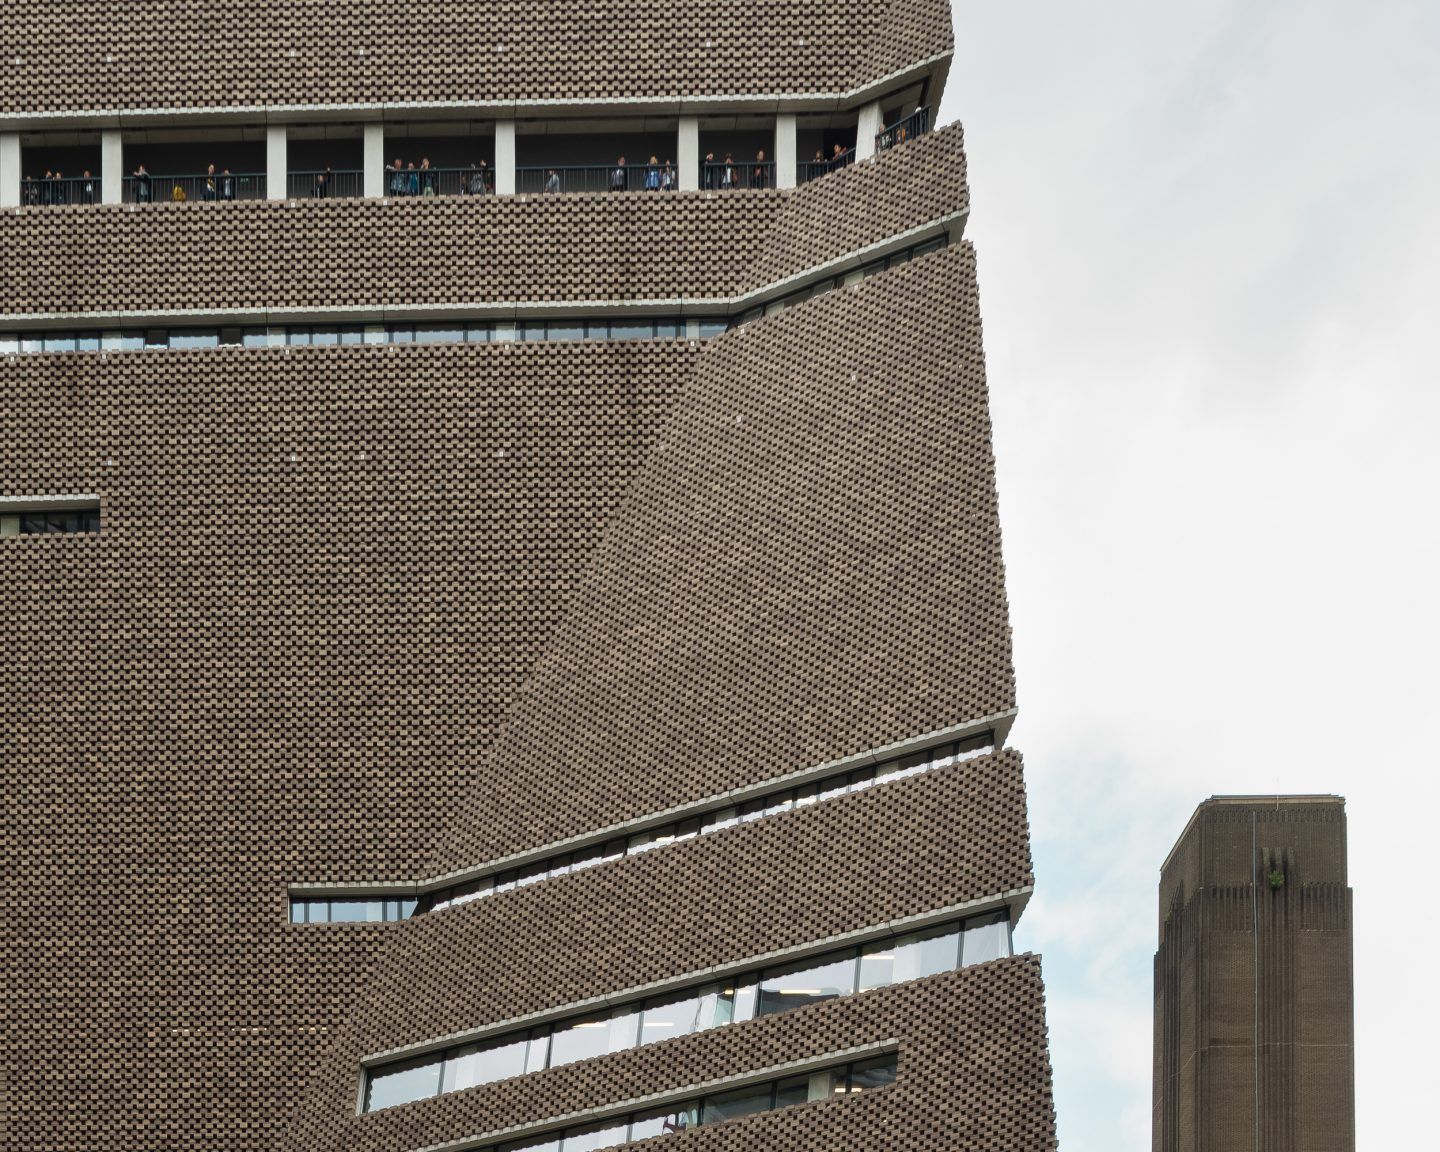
[227, 185]
[667, 178]
[727, 173]
[709, 170]
[552, 181]
[617, 176]
[59, 197]
[87, 188]
[837, 160]
[476, 185]
[397, 179]
[760, 178]
[652, 175]
[412, 180]
[177, 194]
[322, 185]
[211, 192]
[142, 185]
[427, 177]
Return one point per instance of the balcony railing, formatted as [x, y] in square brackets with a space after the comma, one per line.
[166, 189]
[320, 185]
[64, 190]
[597, 178]
[748, 174]
[916, 124]
[813, 169]
[472, 181]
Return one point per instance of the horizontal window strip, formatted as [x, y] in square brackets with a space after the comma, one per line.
[382, 908]
[459, 331]
[49, 515]
[830, 1082]
[746, 996]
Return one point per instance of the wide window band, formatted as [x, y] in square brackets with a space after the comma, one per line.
[746, 996]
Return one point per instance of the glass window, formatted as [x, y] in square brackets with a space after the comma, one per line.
[531, 330]
[352, 335]
[479, 333]
[483, 1064]
[407, 908]
[899, 258]
[60, 342]
[861, 779]
[317, 911]
[566, 331]
[834, 786]
[753, 809]
[872, 1074]
[929, 246]
[877, 966]
[712, 328]
[597, 330]
[926, 953]
[297, 912]
[724, 818]
[9, 345]
[976, 745]
[357, 911]
[375, 335]
[402, 335]
[537, 1052]
[256, 338]
[87, 342]
[795, 1091]
[30, 343]
[729, 1105]
[673, 1016]
[580, 1041]
[505, 881]
[325, 337]
[403, 1083]
[190, 339]
[596, 1136]
[676, 1119]
[532, 873]
[632, 331]
[666, 330]
[439, 334]
[812, 982]
[986, 938]
[782, 802]
[734, 1004]
[559, 866]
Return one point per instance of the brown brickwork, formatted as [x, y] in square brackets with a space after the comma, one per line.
[458, 251]
[1254, 997]
[146, 54]
[974, 1075]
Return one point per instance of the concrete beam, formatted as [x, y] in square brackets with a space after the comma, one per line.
[374, 179]
[689, 153]
[785, 168]
[112, 167]
[10, 170]
[277, 162]
[869, 128]
[505, 157]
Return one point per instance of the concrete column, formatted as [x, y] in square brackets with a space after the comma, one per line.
[374, 181]
[112, 167]
[505, 157]
[10, 170]
[785, 171]
[688, 150]
[870, 125]
[277, 162]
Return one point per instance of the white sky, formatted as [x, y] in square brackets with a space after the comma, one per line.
[1209, 242]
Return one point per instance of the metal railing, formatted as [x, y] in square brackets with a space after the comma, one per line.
[472, 181]
[808, 170]
[168, 189]
[321, 185]
[62, 190]
[723, 177]
[597, 178]
[892, 136]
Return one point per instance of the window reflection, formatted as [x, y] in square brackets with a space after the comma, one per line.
[809, 983]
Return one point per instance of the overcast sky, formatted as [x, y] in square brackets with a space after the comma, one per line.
[1209, 244]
